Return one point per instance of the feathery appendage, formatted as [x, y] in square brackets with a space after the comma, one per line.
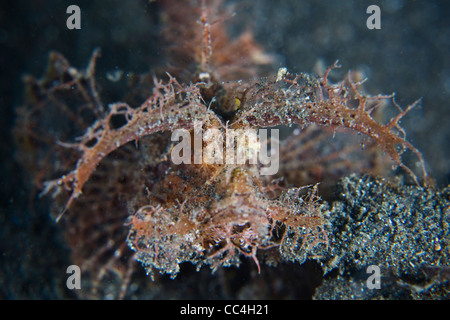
[303, 99]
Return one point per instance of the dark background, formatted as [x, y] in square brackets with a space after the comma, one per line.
[408, 56]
